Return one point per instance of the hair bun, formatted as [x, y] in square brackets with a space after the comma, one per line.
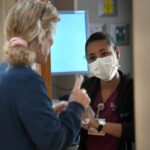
[19, 55]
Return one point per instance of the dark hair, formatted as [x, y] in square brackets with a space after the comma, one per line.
[100, 36]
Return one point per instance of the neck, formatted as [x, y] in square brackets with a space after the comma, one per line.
[112, 83]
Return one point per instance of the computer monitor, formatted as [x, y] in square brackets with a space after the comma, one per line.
[68, 50]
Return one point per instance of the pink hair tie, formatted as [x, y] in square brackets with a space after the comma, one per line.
[17, 41]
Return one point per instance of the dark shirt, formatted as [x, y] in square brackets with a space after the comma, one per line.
[3, 67]
[106, 142]
[27, 120]
[124, 109]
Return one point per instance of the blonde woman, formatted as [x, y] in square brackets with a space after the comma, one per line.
[27, 119]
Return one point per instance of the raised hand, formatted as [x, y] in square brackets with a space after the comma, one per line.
[79, 95]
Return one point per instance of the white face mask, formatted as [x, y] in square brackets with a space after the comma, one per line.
[104, 68]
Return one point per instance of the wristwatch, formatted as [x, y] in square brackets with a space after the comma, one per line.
[101, 122]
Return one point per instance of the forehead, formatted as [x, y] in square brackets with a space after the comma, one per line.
[98, 46]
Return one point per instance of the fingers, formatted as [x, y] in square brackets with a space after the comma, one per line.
[83, 91]
[64, 103]
[86, 121]
[78, 83]
[79, 95]
[61, 106]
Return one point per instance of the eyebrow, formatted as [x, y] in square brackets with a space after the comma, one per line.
[91, 54]
[100, 50]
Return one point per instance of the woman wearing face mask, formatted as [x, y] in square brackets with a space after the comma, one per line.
[111, 94]
[28, 121]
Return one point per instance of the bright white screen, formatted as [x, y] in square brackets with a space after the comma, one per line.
[68, 52]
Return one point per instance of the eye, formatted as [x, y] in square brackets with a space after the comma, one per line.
[104, 54]
[91, 59]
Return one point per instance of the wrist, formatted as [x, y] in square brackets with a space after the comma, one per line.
[101, 124]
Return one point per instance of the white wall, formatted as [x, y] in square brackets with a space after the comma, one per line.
[141, 36]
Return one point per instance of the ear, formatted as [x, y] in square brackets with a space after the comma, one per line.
[117, 50]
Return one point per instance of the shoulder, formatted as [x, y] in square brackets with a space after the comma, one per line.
[126, 87]
[125, 93]
[29, 85]
[21, 72]
[126, 79]
[21, 76]
[90, 81]
[2, 67]
[91, 85]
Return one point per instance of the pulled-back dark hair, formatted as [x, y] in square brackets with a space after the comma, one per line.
[100, 36]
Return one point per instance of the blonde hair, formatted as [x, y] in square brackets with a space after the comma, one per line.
[26, 20]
